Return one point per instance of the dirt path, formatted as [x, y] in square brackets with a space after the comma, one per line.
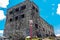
[46, 39]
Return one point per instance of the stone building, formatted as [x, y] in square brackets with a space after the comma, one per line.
[17, 22]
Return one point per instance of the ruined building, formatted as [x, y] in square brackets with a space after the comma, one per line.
[17, 22]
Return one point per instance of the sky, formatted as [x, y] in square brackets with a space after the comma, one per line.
[49, 10]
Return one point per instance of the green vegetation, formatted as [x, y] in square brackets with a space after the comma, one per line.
[33, 38]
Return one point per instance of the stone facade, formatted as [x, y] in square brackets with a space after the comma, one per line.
[17, 22]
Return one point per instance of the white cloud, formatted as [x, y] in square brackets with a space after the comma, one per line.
[2, 16]
[57, 34]
[4, 3]
[58, 9]
[1, 31]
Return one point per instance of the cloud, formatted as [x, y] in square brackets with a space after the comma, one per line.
[1, 32]
[4, 3]
[57, 34]
[58, 9]
[2, 16]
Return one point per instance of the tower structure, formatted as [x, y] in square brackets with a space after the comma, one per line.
[17, 22]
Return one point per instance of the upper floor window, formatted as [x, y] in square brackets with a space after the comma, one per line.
[16, 18]
[17, 9]
[17, 27]
[10, 19]
[36, 10]
[32, 14]
[36, 25]
[10, 12]
[23, 7]
[33, 7]
[22, 16]
[38, 34]
[43, 29]
[40, 26]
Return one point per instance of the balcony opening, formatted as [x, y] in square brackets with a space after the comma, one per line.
[38, 34]
[36, 10]
[10, 12]
[16, 18]
[11, 20]
[33, 7]
[23, 7]
[36, 26]
[22, 16]
[17, 9]
[43, 29]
